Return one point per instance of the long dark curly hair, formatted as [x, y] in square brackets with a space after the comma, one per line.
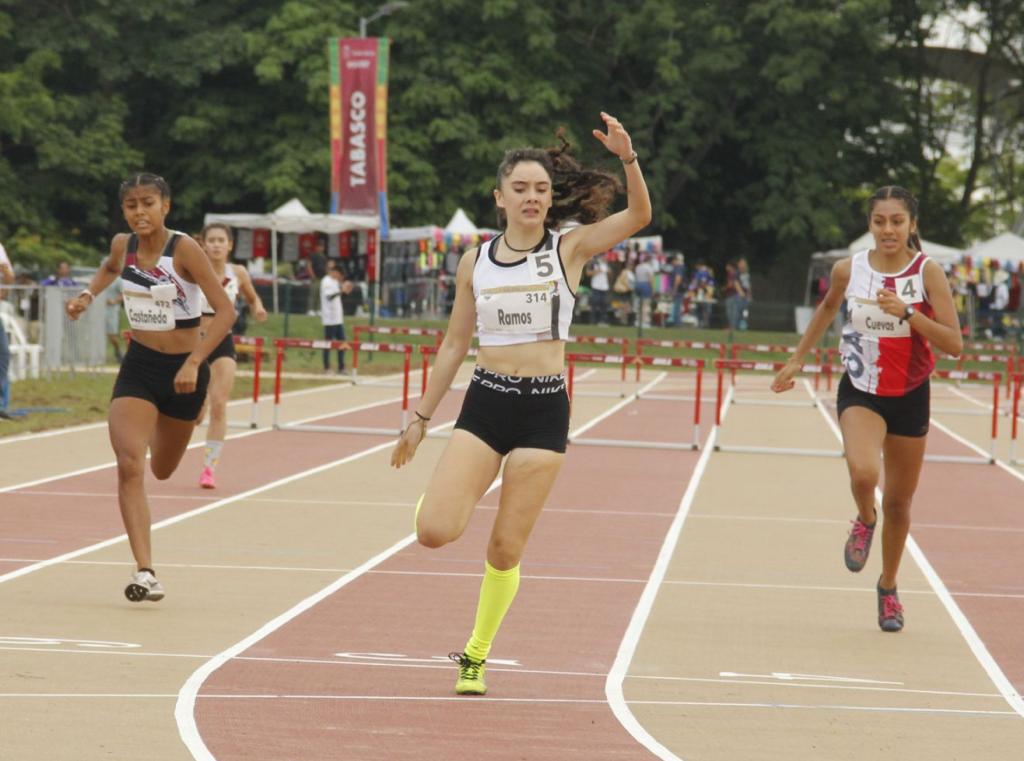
[578, 193]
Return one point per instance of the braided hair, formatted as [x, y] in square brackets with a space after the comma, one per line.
[142, 179]
[578, 193]
[900, 194]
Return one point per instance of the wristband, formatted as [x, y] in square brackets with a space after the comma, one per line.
[632, 158]
[424, 418]
[87, 292]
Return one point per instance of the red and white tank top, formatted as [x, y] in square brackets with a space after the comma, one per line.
[882, 354]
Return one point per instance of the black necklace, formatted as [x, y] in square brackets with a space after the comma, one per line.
[526, 250]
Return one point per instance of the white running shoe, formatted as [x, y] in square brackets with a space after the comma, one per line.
[144, 586]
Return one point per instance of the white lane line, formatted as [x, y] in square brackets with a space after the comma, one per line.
[232, 436]
[627, 648]
[521, 701]
[103, 424]
[442, 666]
[184, 710]
[198, 511]
[835, 521]
[981, 653]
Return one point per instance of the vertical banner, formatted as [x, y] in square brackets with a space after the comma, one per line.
[358, 109]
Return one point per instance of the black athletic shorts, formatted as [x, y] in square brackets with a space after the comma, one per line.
[148, 374]
[511, 412]
[905, 415]
[225, 348]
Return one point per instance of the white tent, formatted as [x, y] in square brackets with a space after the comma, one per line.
[1002, 248]
[461, 224]
[293, 217]
[942, 254]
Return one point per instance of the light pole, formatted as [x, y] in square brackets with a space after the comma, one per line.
[385, 10]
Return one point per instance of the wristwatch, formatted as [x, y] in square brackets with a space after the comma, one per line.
[909, 312]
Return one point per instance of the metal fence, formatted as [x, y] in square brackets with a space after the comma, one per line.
[41, 336]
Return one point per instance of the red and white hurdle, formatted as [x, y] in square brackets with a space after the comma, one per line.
[751, 365]
[389, 330]
[282, 344]
[613, 359]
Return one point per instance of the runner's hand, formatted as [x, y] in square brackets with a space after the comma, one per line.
[74, 307]
[185, 378]
[617, 140]
[411, 437]
[784, 379]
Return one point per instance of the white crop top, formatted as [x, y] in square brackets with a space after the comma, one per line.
[230, 283]
[524, 301]
[158, 299]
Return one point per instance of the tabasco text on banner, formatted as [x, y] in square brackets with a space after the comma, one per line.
[358, 124]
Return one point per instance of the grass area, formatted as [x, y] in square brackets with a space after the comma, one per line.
[65, 400]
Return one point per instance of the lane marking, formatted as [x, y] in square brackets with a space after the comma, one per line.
[786, 677]
[534, 701]
[627, 648]
[17, 573]
[184, 710]
[532, 672]
[103, 423]
[198, 444]
[967, 631]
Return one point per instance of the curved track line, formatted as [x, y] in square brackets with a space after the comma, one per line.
[974, 642]
[184, 710]
[613, 683]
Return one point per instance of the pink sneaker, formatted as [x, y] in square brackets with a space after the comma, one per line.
[206, 479]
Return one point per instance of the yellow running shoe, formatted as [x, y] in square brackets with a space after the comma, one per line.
[471, 675]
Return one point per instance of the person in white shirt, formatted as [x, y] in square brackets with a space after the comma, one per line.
[332, 315]
[599, 287]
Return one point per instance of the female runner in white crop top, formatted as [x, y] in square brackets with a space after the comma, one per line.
[217, 241]
[522, 349]
[162, 381]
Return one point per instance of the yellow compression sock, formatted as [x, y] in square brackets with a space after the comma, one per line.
[416, 516]
[497, 591]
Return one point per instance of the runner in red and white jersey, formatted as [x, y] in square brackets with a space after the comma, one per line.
[898, 303]
[881, 353]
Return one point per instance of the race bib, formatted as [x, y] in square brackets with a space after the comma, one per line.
[910, 289]
[517, 308]
[868, 318]
[543, 265]
[153, 310]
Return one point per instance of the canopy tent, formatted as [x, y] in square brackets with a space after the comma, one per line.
[1004, 248]
[461, 224]
[293, 217]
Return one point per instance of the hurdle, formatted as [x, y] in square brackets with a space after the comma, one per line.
[370, 330]
[622, 343]
[721, 365]
[975, 375]
[736, 349]
[671, 344]
[685, 362]
[282, 344]
[256, 344]
[1018, 379]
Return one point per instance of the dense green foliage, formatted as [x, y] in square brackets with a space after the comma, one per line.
[762, 125]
